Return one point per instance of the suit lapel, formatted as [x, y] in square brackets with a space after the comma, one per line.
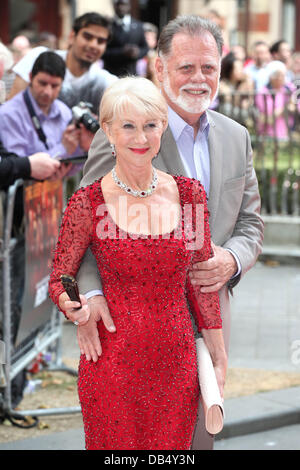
[168, 158]
[216, 169]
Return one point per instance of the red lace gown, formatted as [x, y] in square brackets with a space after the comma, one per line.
[143, 391]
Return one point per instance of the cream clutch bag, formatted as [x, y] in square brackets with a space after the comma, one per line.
[210, 394]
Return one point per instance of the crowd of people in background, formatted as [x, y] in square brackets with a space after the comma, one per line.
[264, 83]
[260, 81]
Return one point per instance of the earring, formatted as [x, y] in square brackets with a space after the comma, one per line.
[113, 150]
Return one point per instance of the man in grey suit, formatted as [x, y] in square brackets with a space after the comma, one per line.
[198, 143]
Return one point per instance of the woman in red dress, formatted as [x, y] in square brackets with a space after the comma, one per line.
[141, 226]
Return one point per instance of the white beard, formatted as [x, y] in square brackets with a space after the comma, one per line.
[188, 103]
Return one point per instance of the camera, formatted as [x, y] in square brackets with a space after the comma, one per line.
[82, 114]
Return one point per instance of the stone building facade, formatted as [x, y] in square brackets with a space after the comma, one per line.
[243, 21]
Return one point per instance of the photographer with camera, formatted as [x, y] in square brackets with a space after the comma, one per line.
[83, 115]
[36, 121]
[38, 166]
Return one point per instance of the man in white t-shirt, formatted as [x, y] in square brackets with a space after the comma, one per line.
[85, 80]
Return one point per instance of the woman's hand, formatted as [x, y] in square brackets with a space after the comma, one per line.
[92, 311]
[70, 308]
[87, 334]
[89, 341]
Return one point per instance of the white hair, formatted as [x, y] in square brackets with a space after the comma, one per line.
[6, 57]
[274, 67]
[138, 92]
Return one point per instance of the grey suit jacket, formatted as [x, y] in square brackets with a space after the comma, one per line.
[234, 200]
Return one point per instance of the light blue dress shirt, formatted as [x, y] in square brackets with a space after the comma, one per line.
[194, 152]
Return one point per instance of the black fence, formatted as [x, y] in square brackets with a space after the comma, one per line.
[273, 121]
[29, 323]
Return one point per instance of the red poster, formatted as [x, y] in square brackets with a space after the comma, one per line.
[43, 209]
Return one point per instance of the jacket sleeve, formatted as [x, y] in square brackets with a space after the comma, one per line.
[247, 237]
[12, 168]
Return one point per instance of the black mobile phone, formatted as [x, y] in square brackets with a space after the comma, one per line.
[78, 159]
[71, 287]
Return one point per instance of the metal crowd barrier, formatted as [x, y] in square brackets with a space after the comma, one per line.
[279, 179]
[47, 336]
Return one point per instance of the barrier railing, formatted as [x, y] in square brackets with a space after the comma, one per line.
[35, 333]
[273, 121]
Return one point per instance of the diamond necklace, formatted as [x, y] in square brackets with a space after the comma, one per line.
[135, 192]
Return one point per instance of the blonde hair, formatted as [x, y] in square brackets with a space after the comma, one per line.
[138, 92]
